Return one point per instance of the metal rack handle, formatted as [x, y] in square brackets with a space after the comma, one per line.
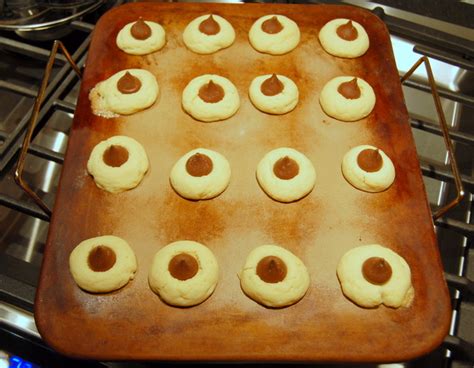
[57, 45]
[447, 140]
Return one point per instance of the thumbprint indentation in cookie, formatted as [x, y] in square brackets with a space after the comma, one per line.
[115, 156]
[377, 270]
[128, 84]
[349, 89]
[272, 86]
[101, 258]
[271, 269]
[272, 25]
[370, 160]
[211, 92]
[286, 168]
[347, 31]
[209, 26]
[183, 266]
[199, 165]
[140, 30]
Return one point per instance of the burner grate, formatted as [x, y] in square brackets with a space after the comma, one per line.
[11, 141]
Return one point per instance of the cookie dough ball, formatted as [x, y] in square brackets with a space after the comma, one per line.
[200, 174]
[184, 273]
[347, 98]
[274, 34]
[210, 97]
[368, 168]
[124, 93]
[102, 264]
[344, 37]
[371, 275]
[118, 164]
[286, 174]
[141, 37]
[275, 94]
[208, 33]
[274, 277]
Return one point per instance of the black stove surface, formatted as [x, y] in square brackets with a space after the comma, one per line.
[451, 11]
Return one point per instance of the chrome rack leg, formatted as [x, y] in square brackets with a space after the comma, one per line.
[447, 140]
[58, 45]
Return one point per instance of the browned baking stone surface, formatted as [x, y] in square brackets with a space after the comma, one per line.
[133, 323]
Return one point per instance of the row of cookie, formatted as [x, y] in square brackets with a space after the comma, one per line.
[185, 273]
[212, 97]
[285, 174]
[273, 34]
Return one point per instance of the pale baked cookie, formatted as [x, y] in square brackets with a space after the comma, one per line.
[272, 93]
[371, 275]
[141, 37]
[286, 174]
[274, 34]
[124, 93]
[210, 97]
[344, 37]
[274, 277]
[368, 168]
[208, 33]
[200, 174]
[184, 273]
[102, 264]
[118, 164]
[347, 98]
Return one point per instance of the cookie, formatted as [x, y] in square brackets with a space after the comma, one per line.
[102, 264]
[118, 164]
[274, 34]
[344, 38]
[368, 168]
[210, 97]
[274, 277]
[141, 37]
[200, 174]
[347, 98]
[208, 33]
[371, 275]
[124, 93]
[274, 94]
[286, 174]
[184, 273]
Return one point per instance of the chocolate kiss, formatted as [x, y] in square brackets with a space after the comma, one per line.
[349, 89]
[370, 160]
[376, 270]
[140, 30]
[209, 26]
[347, 31]
[272, 25]
[128, 84]
[211, 92]
[271, 86]
[183, 266]
[101, 258]
[199, 165]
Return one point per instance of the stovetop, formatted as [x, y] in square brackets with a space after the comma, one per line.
[443, 37]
